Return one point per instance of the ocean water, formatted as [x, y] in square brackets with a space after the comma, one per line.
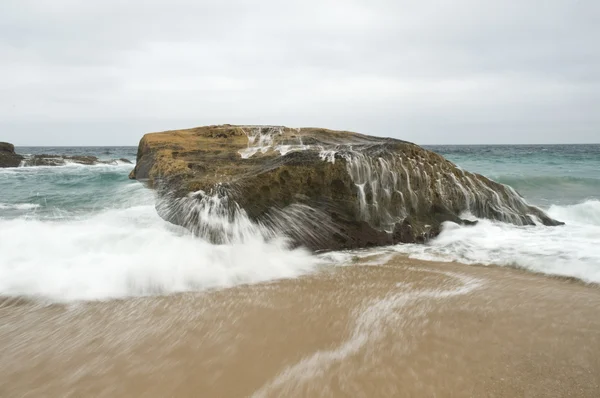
[545, 175]
[564, 180]
[88, 232]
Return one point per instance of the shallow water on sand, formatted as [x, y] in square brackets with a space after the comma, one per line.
[404, 328]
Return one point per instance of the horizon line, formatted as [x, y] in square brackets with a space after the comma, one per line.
[116, 146]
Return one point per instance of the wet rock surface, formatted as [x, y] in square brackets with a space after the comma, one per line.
[8, 157]
[326, 190]
[59, 160]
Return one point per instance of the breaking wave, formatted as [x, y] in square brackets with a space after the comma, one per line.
[89, 233]
[131, 252]
[18, 206]
[569, 250]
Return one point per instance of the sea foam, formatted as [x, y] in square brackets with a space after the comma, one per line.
[131, 252]
[569, 250]
[18, 206]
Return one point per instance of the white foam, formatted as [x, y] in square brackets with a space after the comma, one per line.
[18, 206]
[69, 165]
[586, 213]
[131, 252]
[569, 250]
[371, 256]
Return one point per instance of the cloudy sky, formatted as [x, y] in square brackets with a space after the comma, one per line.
[82, 72]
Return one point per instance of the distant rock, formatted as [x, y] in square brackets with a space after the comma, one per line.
[324, 189]
[58, 160]
[8, 157]
[62, 160]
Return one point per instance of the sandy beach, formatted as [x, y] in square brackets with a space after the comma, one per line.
[316, 199]
[401, 329]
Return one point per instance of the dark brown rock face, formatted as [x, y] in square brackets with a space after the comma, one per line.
[324, 189]
[8, 157]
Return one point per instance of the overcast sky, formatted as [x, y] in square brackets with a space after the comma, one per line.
[82, 72]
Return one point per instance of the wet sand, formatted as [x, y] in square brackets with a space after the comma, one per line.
[403, 329]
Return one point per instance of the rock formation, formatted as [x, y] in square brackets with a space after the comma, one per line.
[324, 189]
[61, 160]
[8, 157]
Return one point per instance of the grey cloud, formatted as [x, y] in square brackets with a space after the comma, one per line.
[463, 71]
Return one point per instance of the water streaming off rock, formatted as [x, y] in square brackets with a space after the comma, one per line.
[323, 189]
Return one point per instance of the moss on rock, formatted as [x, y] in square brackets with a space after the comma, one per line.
[367, 191]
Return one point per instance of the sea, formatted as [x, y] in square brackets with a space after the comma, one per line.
[73, 232]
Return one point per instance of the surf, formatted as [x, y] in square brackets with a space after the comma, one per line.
[131, 252]
[570, 250]
[76, 232]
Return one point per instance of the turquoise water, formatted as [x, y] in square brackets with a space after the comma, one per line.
[88, 232]
[63, 192]
[544, 174]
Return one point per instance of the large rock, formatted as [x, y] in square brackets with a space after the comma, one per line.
[8, 157]
[324, 189]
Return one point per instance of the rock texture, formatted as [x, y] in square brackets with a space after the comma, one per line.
[324, 189]
[61, 160]
[8, 157]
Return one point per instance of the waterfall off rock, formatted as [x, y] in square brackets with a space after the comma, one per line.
[322, 189]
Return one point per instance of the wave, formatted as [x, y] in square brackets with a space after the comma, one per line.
[79, 232]
[131, 252]
[587, 213]
[69, 167]
[547, 190]
[57, 191]
[70, 164]
[19, 206]
[546, 181]
[570, 250]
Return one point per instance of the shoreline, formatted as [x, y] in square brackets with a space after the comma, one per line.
[403, 328]
[514, 268]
